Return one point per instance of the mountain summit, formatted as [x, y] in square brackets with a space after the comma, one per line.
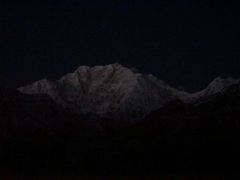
[218, 85]
[109, 91]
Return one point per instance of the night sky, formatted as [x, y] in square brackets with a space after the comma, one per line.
[183, 42]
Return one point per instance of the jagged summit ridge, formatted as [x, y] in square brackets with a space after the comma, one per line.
[110, 91]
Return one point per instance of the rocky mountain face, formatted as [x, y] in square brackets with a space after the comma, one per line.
[217, 86]
[111, 91]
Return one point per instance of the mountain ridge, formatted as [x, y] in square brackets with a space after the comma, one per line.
[115, 91]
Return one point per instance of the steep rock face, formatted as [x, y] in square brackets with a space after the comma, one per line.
[109, 91]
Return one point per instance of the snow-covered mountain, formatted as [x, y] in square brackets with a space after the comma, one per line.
[218, 85]
[115, 91]
[109, 91]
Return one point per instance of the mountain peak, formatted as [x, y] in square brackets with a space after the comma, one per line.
[218, 85]
[221, 83]
[80, 68]
[109, 91]
[116, 64]
[110, 67]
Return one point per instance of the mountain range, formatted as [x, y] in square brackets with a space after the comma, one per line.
[117, 92]
[113, 119]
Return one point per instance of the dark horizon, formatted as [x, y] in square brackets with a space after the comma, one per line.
[184, 43]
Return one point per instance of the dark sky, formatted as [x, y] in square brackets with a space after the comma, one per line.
[183, 42]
